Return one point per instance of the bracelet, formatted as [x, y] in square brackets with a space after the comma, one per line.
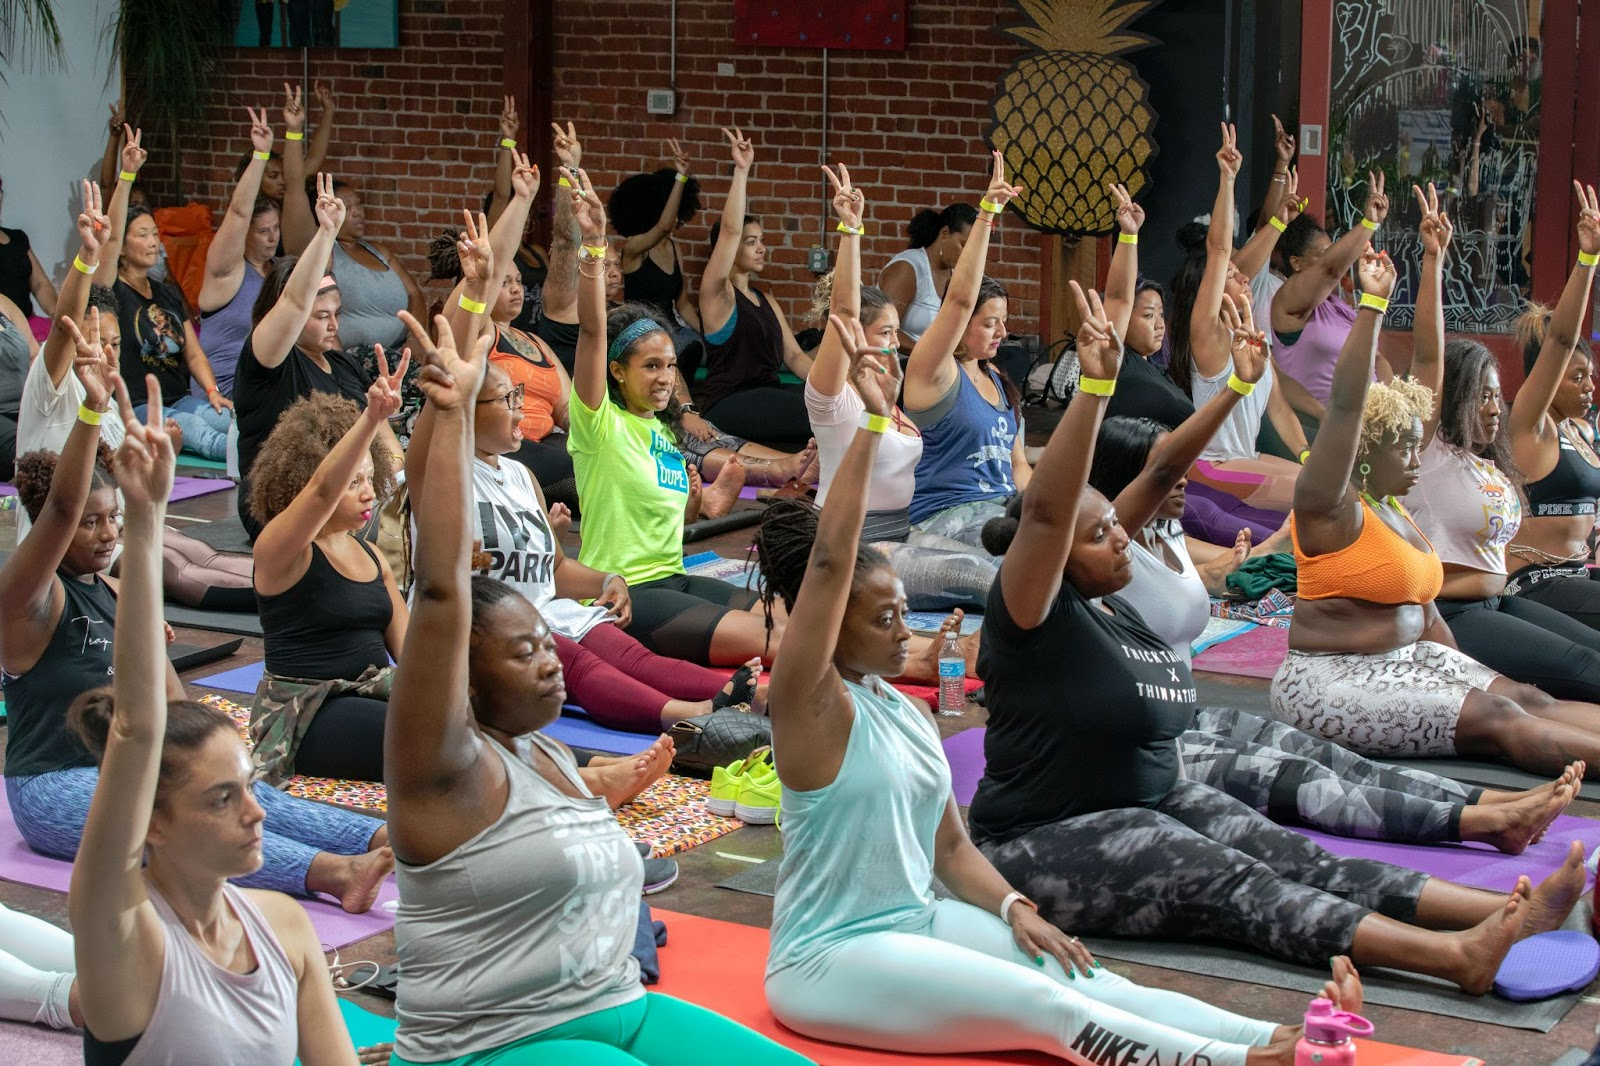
[1240, 385]
[854, 231]
[1127, 238]
[213, 391]
[562, 181]
[1280, 178]
[875, 423]
[88, 416]
[468, 304]
[1377, 303]
[1015, 897]
[81, 267]
[582, 273]
[294, 135]
[1367, 222]
[508, 142]
[1277, 223]
[129, 175]
[987, 220]
[689, 407]
[1305, 453]
[263, 156]
[592, 251]
[1587, 259]
[1097, 386]
[990, 206]
[681, 178]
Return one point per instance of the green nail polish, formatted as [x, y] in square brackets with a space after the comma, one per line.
[1096, 964]
[1072, 975]
[1038, 960]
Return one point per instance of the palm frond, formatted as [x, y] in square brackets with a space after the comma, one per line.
[169, 51]
[29, 34]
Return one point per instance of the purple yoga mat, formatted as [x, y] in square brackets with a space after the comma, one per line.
[18, 862]
[1477, 865]
[187, 488]
[965, 752]
[38, 1046]
[1255, 654]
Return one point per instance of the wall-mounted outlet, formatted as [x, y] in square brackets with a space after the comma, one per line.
[817, 260]
[661, 101]
[724, 70]
[1310, 140]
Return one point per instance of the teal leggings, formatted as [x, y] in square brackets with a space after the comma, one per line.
[653, 1030]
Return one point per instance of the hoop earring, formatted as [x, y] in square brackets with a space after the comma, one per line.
[1364, 470]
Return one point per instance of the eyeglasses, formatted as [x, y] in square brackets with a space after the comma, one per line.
[512, 399]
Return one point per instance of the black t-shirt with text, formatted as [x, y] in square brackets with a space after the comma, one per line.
[153, 339]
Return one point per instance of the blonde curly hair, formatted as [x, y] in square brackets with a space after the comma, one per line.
[1391, 408]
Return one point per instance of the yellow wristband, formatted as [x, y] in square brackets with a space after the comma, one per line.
[1127, 238]
[294, 135]
[263, 156]
[1240, 385]
[1377, 303]
[562, 181]
[81, 267]
[593, 251]
[1277, 223]
[128, 175]
[508, 142]
[1097, 386]
[1588, 259]
[474, 306]
[1367, 222]
[875, 423]
[990, 206]
[681, 178]
[854, 231]
[88, 417]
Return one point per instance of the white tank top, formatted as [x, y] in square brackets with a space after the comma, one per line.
[925, 304]
[1173, 603]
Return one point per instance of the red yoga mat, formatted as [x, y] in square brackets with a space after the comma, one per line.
[1255, 654]
[720, 965]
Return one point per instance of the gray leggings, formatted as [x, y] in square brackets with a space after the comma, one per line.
[940, 574]
[1201, 864]
[1295, 778]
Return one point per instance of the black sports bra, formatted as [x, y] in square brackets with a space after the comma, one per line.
[1574, 485]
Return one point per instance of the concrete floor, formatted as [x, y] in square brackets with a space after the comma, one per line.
[703, 867]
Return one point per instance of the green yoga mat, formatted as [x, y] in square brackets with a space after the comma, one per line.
[185, 459]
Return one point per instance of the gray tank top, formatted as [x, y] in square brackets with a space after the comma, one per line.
[525, 927]
[369, 299]
[13, 367]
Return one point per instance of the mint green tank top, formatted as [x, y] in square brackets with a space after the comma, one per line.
[858, 854]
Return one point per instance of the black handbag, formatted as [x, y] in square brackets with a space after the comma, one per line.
[717, 739]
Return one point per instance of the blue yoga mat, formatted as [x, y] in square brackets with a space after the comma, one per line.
[365, 1027]
[577, 730]
[239, 679]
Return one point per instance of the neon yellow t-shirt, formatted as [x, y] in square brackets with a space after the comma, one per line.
[634, 486]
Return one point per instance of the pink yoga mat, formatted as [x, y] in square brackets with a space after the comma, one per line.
[186, 488]
[1255, 654]
[38, 1046]
[18, 862]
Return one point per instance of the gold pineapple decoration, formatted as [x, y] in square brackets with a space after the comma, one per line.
[1072, 117]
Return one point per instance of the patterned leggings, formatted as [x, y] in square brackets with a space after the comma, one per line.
[1202, 864]
[1297, 779]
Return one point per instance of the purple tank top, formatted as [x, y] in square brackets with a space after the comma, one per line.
[1311, 358]
[222, 332]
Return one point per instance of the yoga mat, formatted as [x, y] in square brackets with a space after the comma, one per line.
[187, 488]
[719, 965]
[37, 1045]
[709, 527]
[224, 534]
[577, 730]
[741, 572]
[1217, 631]
[928, 622]
[965, 752]
[7, 489]
[189, 656]
[1491, 775]
[18, 862]
[365, 1028]
[248, 625]
[1255, 654]
[239, 679]
[191, 459]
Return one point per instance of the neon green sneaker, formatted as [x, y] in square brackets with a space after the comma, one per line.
[726, 780]
[760, 797]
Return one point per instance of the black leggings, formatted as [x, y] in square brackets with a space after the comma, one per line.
[676, 616]
[1200, 864]
[551, 467]
[345, 740]
[1528, 642]
[1573, 590]
[774, 416]
[8, 447]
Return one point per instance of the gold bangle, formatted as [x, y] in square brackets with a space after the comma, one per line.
[1127, 238]
[1367, 222]
[1277, 223]
[854, 231]
[129, 175]
[990, 206]
[1587, 259]
[81, 267]
[263, 156]
[1305, 453]
[469, 304]
[584, 273]
[88, 416]
[875, 423]
[508, 142]
[294, 135]
[1240, 385]
[1377, 303]
[1097, 386]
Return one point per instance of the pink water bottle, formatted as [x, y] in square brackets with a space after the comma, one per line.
[1326, 1041]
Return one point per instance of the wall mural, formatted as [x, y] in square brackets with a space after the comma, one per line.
[1072, 117]
[1446, 91]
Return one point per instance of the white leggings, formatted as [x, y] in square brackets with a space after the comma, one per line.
[961, 986]
[36, 970]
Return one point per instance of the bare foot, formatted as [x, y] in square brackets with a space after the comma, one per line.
[718, 498]
[777, 473]
[363, 877]
[380, 839]
[1278, 1053]
[1551, 902]
[812, 474]
[1512, 827]
[560, 519]
[742, 686]
[1215, 573]
[620, 780]
[1344, 991]
[1483, 947]
[923, 666]
[1278, 542]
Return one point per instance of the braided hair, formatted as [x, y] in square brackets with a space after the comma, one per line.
[783, 549]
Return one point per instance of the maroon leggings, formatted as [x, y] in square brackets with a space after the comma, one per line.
[623, 685]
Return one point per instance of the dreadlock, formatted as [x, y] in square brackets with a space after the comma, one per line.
[783, 548]
[444, 261]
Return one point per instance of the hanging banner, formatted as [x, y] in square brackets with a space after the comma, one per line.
[872, 25]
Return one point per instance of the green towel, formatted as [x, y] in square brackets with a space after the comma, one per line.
[1262, 574]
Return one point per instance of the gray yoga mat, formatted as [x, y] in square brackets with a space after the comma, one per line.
[225, 534]
[710, 527]
[1386, 987]
[1491, 775]
[247, 625]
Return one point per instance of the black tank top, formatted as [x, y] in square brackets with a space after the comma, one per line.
[77, 659]
[649, 284]
[748, 357]
[532, 292]
[1573, 486]
[326, 626]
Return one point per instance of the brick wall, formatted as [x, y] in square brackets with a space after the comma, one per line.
[415, 125]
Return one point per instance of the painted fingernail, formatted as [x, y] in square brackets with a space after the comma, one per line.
[1095, 964]
[1038, 960]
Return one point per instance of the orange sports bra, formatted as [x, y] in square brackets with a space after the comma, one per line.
[1379, 566]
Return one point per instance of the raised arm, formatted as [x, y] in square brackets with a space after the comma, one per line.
[811, 712]
[832, 365]
[636, 246]
[1207, 344]
[283, 550]
[1253, 258]
[1533, 431]
[505, 233]
[1323, 491]
[225, 265]
[299, 223]
[560, 290]
[275, 335]
[1283, 148]
[93, 228]
[108, 159]
[323, 135]
[1123, 276]
[1030, 577]
[118, 938]
[1427, 330]
[589, 368]
[932, 366]
[1307, 288]
[1170, 461]
[716, 285]
[133, 157]
[505, 159]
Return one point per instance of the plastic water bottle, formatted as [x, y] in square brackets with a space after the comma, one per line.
[1326, 1041]
[952, 675]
